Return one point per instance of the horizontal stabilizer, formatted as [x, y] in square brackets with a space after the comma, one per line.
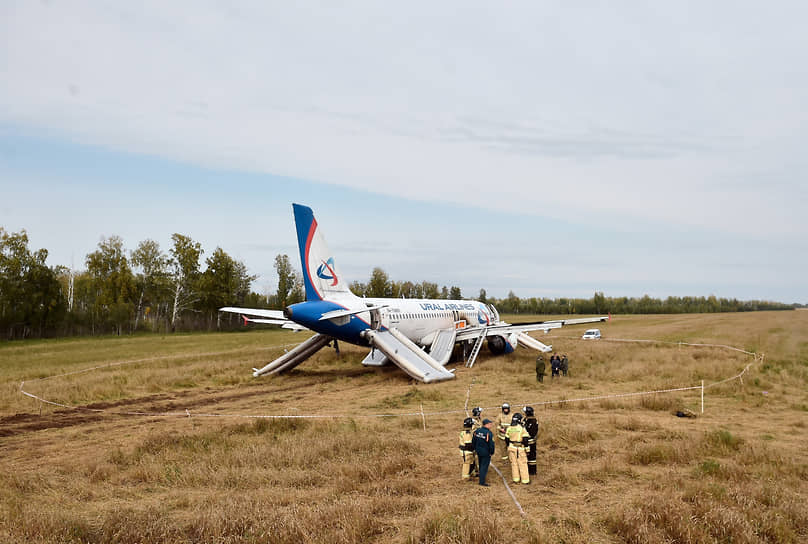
[260, 315]
[285, 323]
[407, 356]
[257, 312]
[269, 321]
[345, 313]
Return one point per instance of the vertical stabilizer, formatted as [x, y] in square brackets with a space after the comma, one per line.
[321, 277]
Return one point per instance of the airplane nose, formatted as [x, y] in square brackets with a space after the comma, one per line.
[287, 312]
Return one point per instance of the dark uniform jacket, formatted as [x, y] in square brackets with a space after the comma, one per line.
[483, 441]
[532, 428]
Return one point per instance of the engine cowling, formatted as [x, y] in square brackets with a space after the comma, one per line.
[500, 344]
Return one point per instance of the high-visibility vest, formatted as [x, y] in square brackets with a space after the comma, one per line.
[515, 434]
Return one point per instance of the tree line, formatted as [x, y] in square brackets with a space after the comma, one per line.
[118, 291]
[121, 291]
[380, 285]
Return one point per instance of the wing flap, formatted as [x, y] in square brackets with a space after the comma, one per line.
[257, 312]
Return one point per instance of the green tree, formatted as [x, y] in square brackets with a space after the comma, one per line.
[31, 298]
[429, 290]
[185, 255]
[454, 293]
[113, 283]
[483, 296]
[408, 290]
[298, 293]
[225, 282]
[152, 281]
[286, 279]
[358, 288]
[379, 284]
[599, 302]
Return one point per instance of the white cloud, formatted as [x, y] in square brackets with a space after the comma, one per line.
[681, 114]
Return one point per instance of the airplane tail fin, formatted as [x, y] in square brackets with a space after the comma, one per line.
[321, 277]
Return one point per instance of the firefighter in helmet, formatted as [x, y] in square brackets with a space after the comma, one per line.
[517, 440]
[475, 415]
[466, 449]
[532, 427]
[503, 422]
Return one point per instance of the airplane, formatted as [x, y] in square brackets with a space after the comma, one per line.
[417, 335]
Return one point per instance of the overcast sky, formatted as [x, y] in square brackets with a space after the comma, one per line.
[550, 149]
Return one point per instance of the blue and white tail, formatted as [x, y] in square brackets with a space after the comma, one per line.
[321, 277]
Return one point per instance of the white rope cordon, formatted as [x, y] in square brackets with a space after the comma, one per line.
[420, 413]
[468, 394]
[510, 492]
[662, 342]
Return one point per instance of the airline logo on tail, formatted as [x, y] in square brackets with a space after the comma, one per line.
[326, 271]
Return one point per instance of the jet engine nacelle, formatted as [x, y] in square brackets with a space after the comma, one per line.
[498, 344]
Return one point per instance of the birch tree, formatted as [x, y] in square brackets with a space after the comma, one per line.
[185, 256]
[153, 264]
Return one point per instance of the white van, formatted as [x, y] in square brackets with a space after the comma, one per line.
[591, 334]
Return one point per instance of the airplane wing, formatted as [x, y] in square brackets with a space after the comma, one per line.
[259, 315]
[507, 328]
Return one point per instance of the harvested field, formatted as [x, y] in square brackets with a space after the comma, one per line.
[162, 442]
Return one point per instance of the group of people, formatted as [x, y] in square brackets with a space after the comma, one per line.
[518, 433]
[559, 364]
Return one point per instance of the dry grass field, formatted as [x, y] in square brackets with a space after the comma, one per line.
[193, 468]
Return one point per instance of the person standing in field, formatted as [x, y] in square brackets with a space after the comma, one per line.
[475, 415]
[540, 368]
[466, 449]
[503, 422]
[565, 364]
[532, 428]
[555, 365]
[517, 451]
[483, 441]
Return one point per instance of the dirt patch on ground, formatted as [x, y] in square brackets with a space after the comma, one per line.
[148, 406]
[23, 423]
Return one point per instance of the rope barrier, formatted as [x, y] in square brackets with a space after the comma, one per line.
[508, 488]
[421, 413]
[468, 394]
